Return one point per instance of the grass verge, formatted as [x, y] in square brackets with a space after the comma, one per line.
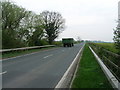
[23, 52]
[89, 74]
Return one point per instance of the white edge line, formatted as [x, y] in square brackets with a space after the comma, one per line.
[112, 79]
[3, 72]
[65, 74]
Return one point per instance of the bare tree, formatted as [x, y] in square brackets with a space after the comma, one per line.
[53, 24]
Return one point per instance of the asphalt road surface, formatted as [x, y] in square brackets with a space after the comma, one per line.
[40, 70]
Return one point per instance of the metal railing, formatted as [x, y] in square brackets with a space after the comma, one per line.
[110, 76]
[25, 48]
[110, 59]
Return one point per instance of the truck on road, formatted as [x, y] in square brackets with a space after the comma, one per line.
[69, 42]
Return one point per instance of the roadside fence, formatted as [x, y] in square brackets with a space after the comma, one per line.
[110, 59]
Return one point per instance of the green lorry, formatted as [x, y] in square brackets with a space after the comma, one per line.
[69, 42]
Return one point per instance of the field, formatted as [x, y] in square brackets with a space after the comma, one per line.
[89, 74]
[108, 46]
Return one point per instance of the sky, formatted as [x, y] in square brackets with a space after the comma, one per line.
[87, 19]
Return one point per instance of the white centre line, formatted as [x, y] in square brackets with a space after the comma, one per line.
[3, 72]
[48, 56]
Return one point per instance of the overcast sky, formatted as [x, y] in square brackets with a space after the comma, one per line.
[88, 19]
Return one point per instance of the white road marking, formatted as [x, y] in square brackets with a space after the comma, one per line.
[48, 56]
[3, 72]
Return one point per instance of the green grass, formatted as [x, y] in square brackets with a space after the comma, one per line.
[18, 53]
[108, 46]
[89, 74]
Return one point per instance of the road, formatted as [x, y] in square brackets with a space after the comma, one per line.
[40, 70]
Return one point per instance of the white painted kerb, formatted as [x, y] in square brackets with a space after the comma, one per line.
[62, 81]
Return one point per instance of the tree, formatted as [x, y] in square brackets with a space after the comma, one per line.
[117, 39]
[38, 32]
[53, 24]
[20, 27]
[26, 27]
[11, 18]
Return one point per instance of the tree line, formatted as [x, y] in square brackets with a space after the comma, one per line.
[21, 27]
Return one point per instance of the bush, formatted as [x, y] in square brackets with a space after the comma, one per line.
[58, 43]
[44, 42]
